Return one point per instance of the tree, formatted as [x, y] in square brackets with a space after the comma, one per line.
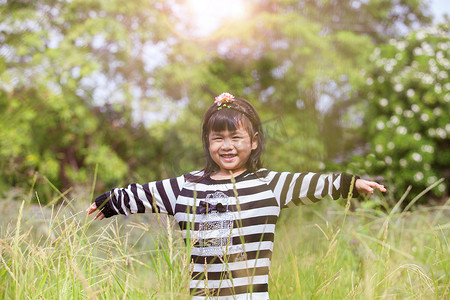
[59, 60]
[297, 62]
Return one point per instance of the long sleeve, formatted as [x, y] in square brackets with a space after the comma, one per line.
[306, 188]
[154, 196]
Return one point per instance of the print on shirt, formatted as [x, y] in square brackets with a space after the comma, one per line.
[216, 226]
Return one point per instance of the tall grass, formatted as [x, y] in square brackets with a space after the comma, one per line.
[323, 251]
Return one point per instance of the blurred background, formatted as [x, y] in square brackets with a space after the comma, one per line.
[107, 93]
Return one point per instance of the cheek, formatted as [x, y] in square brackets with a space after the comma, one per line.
[241, 145]
[213, 147]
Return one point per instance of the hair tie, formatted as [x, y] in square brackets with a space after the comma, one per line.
[223, 99]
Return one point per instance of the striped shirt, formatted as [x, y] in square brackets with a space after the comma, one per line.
[231, 224]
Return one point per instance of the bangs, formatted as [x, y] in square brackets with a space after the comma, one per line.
[228, 119]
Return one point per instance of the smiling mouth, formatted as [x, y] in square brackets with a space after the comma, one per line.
[228, 156]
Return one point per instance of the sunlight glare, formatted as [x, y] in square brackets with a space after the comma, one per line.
[208, 15]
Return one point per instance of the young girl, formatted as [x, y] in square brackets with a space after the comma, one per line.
[232, 205]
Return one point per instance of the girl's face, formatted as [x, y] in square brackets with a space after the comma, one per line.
[231, 150]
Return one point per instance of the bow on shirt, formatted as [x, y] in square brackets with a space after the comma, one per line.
[206, 207]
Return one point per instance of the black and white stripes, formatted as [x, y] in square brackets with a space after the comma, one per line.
[231, 249]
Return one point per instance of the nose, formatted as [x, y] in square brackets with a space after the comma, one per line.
[226, 144]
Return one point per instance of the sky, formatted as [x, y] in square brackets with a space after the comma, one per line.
[439, 7]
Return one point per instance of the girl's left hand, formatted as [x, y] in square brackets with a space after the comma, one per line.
[367, 187]
[93, 208]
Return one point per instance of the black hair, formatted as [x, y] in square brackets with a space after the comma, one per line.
[241, 113]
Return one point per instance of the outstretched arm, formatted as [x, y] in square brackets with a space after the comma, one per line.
[367, 187]
[157, 196]
[308, 187]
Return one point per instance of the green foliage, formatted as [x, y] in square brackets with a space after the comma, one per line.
[408, 116]
[53, 54]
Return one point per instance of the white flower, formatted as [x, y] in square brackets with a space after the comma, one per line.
[384, 102]
[408, 114]
[424, 117]
[434, 70]
[380, 79]
[396, 79]
[391, 145]
[447, 127]
[441, 187]
[427, 148]
[417, 136]
[447, 86]
[443, 46]
[441, 133]
[431, 132]
[388, 68]
[369, 81]
[398, 56]
[379, 148]
[403, 162]
[447, 97]
[401, 45]
[402, 130]
[417, 51]
[431, 179]
[398, 110]
[427, 49]
[418, 176]
[421, 35]
[380, 62]
[438, 88]
[388, 160]
[415, 108]
[375, 54]
[395, 120]
[417, 157]
[380, 125]
[398, 87]
[442, 75]
[426, 167]
[410, 93]
[419, 75]
[427, 79]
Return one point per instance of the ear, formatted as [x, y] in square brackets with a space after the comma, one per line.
[255, 141]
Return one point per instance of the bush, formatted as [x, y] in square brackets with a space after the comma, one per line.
[408, 116]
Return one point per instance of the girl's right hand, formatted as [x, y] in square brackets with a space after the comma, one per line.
[92, 209]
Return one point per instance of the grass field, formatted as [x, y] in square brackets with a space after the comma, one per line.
[322, 251]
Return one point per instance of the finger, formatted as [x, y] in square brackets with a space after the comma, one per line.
[99, 216]
[382, 188]
[378, 186]
[91, 208]
[366, 188]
